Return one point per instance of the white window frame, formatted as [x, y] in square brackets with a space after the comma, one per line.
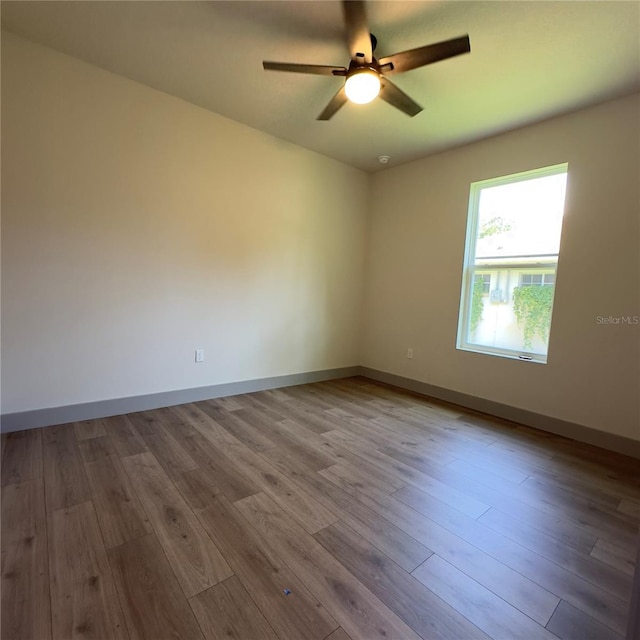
[469, 268]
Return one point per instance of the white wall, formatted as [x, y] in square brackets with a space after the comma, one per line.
[414, 270]
[137, 227]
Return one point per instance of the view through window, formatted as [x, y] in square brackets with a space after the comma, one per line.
[511, 256]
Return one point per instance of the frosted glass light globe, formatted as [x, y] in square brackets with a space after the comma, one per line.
[363, 86]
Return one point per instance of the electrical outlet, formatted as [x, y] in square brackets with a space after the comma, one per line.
[409, 353]
[199, 355]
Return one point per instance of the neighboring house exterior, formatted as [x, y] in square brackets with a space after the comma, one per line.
[499, 275]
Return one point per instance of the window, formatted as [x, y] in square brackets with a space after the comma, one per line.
[511, 258]
[484, 281]
[537, 279]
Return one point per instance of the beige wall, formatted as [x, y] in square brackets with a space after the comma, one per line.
[137, 228]
[414, 270]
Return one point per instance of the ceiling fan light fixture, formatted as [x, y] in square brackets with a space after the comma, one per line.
[365, 77]
[362, 85]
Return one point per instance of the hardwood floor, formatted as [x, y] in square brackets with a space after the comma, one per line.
[340, 510]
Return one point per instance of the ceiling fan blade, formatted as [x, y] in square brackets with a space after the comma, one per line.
[316, 69]
[358, 35]
[414, 58]
[390, 93]
[334, 104]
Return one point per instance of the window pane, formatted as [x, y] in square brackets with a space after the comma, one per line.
[514, 239]
[521, 218]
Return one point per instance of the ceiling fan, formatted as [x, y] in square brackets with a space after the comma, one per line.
[366, 76]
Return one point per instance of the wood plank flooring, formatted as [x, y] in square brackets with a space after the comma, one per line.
[342, 510]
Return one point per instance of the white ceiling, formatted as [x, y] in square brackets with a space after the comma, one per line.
[528, 61]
